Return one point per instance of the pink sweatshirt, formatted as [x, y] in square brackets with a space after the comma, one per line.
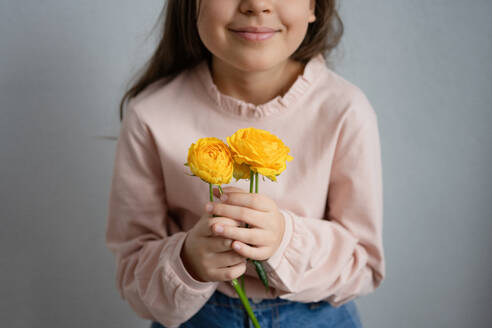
[330, 195]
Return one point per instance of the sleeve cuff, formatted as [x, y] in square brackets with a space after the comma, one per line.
[274, 261]
[183, 274]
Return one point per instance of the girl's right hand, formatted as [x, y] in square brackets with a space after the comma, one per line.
[209, 258]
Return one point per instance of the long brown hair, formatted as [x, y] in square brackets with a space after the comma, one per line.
[180, 46]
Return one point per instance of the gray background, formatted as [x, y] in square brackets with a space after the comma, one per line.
[424, 65]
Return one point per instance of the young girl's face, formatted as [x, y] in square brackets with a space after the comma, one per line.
[217, 20]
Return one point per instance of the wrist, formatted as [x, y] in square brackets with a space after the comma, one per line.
[187, 263]
[282, 228]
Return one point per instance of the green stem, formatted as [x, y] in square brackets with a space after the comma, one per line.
[251, 180]
[245, 302]
[234, 282]
[251, 183]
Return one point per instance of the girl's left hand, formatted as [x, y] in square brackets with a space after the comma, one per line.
[266, 222]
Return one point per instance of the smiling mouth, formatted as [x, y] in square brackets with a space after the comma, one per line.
[254, 36]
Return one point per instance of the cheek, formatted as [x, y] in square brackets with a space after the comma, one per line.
[211, 25]
[296, 26]
[295, 18]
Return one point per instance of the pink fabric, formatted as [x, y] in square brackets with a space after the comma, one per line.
[330, 194]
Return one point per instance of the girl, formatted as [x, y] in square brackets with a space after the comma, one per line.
[221, 66]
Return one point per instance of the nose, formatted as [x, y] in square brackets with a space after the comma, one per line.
[255, 7]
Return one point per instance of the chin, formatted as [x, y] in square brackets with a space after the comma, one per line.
[255, 63]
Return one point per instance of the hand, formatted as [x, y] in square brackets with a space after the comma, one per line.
[266, 222]
[210, 258]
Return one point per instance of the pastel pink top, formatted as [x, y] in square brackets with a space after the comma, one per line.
[330, 194]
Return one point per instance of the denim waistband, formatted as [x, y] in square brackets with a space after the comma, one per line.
[220, 299]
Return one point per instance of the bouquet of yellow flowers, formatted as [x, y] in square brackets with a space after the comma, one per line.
[249, 152]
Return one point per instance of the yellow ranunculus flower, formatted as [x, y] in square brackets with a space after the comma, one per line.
[241, 171]
[210, 159]
[262, 151]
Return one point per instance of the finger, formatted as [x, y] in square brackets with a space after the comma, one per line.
[228, 259]
[219, 244]
[254, 201]
[214, 221]
[244, 214]
[253, 236]
[250, 252]
[217, 193]
[233, 272]
[234, 189]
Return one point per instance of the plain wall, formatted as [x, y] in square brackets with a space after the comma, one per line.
[424, 65]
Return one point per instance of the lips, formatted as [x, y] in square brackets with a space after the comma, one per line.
[255, 29]
[255, 33]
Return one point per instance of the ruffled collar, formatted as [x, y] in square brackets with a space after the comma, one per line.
[245, 110]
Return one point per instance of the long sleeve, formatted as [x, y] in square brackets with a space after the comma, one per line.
[150, 274]
[340, 256]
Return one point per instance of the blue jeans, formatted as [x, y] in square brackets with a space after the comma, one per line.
[224, 311]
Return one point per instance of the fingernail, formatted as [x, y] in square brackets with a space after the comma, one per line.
[237, 247]
[208, 207]
[219, 228]
[223, 197]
